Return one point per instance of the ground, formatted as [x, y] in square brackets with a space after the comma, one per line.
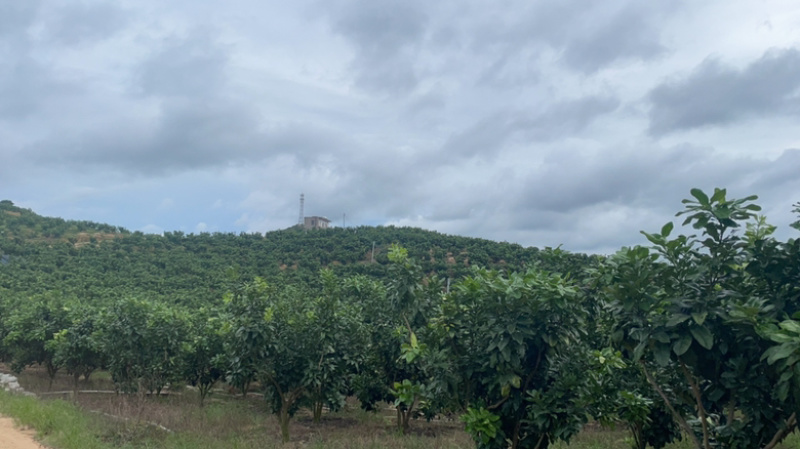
[12, 437]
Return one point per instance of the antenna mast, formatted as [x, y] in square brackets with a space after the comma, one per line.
[302, 200]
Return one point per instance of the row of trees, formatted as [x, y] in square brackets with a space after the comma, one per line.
[696, 336]
[189, 269]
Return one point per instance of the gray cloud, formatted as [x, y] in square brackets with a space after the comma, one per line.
[589, 37]
[517, 121]
[399, 46]
[80, 23]
[189, 136]
[628, 35]
[569, 117]
[715, 94]
[24, 87]
[780, 175]
[16, 17]
[386, 35]
[191, 67]
[632, 177]
[637, 190]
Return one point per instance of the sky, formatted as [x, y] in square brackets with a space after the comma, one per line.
[542, 123]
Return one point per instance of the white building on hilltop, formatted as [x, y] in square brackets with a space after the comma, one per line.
[315, 222]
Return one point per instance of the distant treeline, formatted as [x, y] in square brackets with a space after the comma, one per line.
[95, 260]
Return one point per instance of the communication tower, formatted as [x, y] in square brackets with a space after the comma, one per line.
[302, 214]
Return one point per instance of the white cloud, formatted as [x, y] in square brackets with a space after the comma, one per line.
[152, 229]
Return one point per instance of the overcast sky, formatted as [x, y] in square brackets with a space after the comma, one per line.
[537, 122]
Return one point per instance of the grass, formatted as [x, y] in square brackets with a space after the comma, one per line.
[111, 421]
[234, 423]
[57, 423]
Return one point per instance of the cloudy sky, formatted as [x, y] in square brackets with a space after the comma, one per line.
[537, 122]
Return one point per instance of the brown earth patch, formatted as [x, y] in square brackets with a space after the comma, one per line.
[12, 437]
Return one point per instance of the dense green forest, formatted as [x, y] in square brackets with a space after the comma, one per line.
[695, 336]
[98, 260]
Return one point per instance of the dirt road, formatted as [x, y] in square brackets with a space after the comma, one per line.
[13, 438]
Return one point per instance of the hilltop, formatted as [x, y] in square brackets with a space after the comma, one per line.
[94, 260]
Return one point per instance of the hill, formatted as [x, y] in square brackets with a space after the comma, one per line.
[92, 260]
[19, 223]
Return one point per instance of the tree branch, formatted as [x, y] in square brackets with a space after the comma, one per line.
[731, 409]
[791, 423]
[681, 421]
[699, 399]
[498, 403]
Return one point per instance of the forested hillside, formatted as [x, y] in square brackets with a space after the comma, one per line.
[696, 336]
[93, 260]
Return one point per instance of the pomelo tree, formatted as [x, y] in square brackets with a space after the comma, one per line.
[514, 343]
[691, 312]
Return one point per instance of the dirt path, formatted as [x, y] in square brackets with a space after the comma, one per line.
[13, 438]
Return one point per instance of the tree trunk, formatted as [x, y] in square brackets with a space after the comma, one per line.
[284, 419]
[51, 373]
[203, 389]
[317, 411]
[638, 437]
[75, 376]
[515, 435]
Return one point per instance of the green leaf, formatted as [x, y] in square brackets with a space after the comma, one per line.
[702, 336]
[506, 354]
[715, 394]
[638, 351]
[719, 195]
[699, 317]
[676, 319]
[776, 353]
[667, 229]
[681, 346]
[653, 238]
[661, 337]
[783, 391]
[791, 326]
[661, 354]
[779, 337]
[702, 198]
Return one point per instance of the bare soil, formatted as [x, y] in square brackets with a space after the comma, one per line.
[12, 437]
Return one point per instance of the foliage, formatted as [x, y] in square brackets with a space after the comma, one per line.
[75, 347]
[413, 302]
[619, 393]
[299, 346]
[508, 339]
[142, 342]
[689, 314]
[484, 426]
[341, 340]
[202, 352]
[32, 323]
[99, 263]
